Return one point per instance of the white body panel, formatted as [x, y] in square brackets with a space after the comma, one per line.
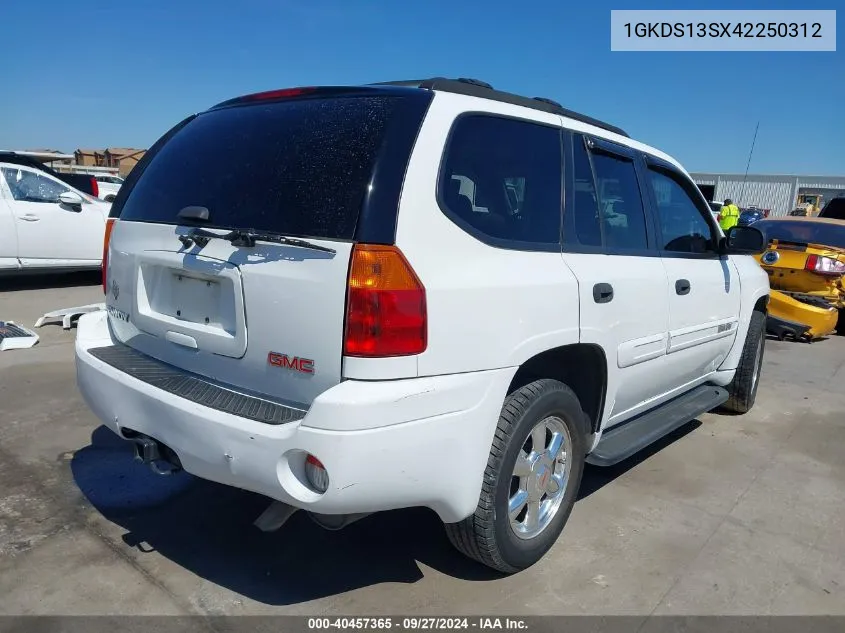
[702, 324]
[632, 328]
[754, 286]
[283, 292]
[425, 451]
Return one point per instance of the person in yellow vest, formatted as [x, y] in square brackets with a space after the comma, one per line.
[728, 215]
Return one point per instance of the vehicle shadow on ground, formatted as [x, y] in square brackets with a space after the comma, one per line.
[596, 477]
[42, 281]
[206, 528]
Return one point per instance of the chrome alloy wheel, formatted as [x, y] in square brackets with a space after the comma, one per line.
[539, 479]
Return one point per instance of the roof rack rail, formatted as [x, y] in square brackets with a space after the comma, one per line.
[546, 100]
[475, 82]
[477, 88]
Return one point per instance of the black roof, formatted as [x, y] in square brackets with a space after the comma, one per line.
[463, 86]
[477, 88]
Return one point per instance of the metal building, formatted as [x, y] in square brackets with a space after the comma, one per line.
[777, 193]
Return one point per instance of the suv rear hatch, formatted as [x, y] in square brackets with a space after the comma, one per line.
[266, 319]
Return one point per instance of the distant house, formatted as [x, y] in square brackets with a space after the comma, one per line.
[89, 157]
[124, 158]
[120, 158]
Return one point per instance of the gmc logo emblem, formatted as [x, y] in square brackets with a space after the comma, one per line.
[302, 365]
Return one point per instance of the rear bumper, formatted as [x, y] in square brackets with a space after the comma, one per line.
[789, 316]
[385, 444]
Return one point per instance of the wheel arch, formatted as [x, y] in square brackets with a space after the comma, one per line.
[580, 366]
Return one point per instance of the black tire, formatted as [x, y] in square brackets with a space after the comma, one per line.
[487, 536]
[743, 388]
[840, 322]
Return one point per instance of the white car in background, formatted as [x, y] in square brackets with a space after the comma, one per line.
[108, 186]
[46, 224]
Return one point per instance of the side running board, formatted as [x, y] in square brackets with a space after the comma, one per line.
[620, 442]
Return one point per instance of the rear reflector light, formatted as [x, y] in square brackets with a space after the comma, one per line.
[386, 308]
[95, 188]
[824, 265]
[316, 474]
[106, 239]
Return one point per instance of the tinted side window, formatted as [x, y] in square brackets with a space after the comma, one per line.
[682, 225]
[502, 178]
[586, 208]
[620, 202]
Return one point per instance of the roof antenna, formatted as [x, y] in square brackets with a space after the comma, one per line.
[748, 164]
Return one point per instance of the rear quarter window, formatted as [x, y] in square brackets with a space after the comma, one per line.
[500, 181]
[298, 167]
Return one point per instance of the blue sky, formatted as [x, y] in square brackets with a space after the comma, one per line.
[112, 73]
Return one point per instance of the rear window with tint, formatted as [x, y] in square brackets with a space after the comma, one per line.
[297, 167]
[803, 232]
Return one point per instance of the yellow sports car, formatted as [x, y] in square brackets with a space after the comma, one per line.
[800, 320]
[805, 261]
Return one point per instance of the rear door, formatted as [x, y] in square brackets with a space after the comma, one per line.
[703, 287]
[268, 318]
[609, 245]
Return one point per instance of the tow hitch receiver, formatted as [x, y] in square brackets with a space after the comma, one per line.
[160, 458]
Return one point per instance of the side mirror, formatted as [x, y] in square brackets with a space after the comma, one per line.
[71, 199]
[744, 240]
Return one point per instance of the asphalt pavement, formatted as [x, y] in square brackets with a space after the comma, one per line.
[729, 515]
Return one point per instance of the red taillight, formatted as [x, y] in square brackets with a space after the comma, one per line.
[285, 93]
[95, 188]
[824, 265]
[106, 238]
[385, 309]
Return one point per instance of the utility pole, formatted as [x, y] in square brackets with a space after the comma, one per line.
[747, 165]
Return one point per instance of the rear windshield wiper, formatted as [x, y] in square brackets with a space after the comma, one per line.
[248, 238]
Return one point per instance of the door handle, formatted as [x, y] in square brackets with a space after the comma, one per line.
[29, 217]
[682, 286]
[603, 293]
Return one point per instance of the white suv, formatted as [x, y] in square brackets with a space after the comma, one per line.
[430, 294]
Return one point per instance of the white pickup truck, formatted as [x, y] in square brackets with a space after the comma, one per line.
[431, 294]
[108, 186]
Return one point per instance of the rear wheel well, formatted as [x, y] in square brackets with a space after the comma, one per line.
[582, 367]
